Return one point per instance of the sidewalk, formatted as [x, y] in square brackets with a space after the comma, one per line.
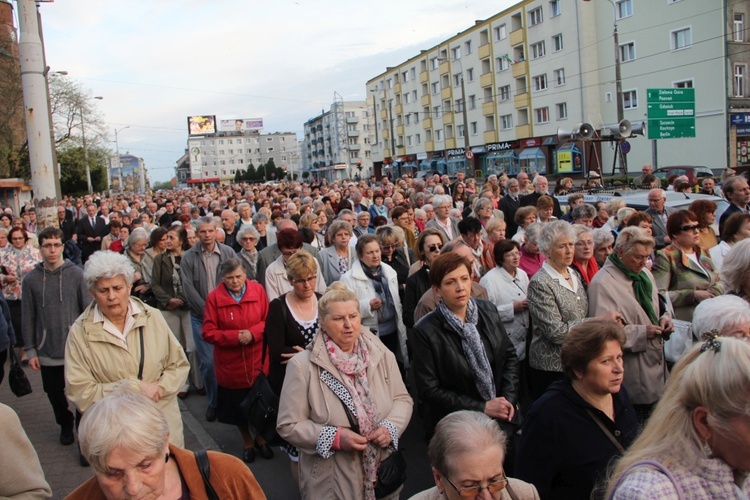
[60, 463]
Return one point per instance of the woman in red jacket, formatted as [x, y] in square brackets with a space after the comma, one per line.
[234, 321]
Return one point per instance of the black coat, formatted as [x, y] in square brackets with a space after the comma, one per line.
[533, 198]
[509, 209]
[562, 451]
[445, 381]
[416, 286]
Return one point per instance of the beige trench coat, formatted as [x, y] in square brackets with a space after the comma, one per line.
[645, 368]
[309, 409]
[95, 362]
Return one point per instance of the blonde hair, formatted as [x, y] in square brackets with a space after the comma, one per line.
[307, 220]
[336, 292]
[300, 265]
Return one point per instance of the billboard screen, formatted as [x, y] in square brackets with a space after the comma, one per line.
[205, 124]
[241, 124]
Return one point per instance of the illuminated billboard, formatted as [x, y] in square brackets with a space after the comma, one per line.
[241, 124]
[199, 125]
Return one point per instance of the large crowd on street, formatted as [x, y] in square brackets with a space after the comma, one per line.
[550, 350]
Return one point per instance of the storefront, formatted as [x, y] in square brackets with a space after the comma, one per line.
[532, 158]
[500, 157]
[740, 123]
[456, 161]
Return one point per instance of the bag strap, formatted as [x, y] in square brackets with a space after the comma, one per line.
[140, 365]
[510, 491]
[354, 425]
[605, 430]
[13, 357]
[649, 463]
[201, 457]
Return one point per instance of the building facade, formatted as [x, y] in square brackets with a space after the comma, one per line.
[504, 87]
[738, 61]
[134, 174]
[337, 142]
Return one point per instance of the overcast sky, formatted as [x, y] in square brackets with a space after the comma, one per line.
[156, 62]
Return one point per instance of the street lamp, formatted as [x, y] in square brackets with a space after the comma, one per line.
[85, 149]
[119, 163]
[469, 171]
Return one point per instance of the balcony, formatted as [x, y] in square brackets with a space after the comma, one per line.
[450, 143]
[354, 147]
[424, 77]
[386, 134]
[398, 109]
[521, 100]
[445, 67]
[384, 114]
[447, 118]
[484, 51]
[488, 108]
[520, 68]
[397, 88]
[352, 133]
[486, 80]
[387, 153]
[426, 100]
[399, 130]
[523, 131]
[352, 119]
[490, 136]
[517, 36]
[429, 146]
[427, 123]
[400, 151]
[446, 93]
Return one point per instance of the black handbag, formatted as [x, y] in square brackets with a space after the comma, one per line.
[17, 379]
[261, 406]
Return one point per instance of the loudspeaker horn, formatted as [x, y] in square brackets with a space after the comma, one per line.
[623, 129]
[638, 128]
[585, 131]
[564, 135]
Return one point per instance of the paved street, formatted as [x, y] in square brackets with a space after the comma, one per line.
[60, 463]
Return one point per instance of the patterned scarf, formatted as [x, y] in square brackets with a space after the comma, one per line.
[353, 366]
[380, 284]
[473, 348]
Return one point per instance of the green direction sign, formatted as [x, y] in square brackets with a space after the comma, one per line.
[671, 113]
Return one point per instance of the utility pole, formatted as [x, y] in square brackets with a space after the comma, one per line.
[37, 112]
[467, 148]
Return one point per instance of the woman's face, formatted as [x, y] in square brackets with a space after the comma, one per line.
[584, 247]
[260, 226]
[604, 373]
[601, 253]
[688, 236]
[744, 232]
[17, 240]
[482, 468]
[304, 287]
[646, 226]
[173, 241]
[530, 219]
[322, 219]
[161, 245]
[234, 280]
[636, 259]
[145, 220]
[562, 251]
[455, 288]
[531, 247]
[545, 214]
[138, 247]
[342, 323]
[112, 296]
[192, 237]
[710, 218]
[371, 254]
[248, 242]
[3, 240]
[341, 239]
[732, 445]
[133, 476]
[511, 260]
[431, 247]
[484, 212]
[387, 248]
[498, 233]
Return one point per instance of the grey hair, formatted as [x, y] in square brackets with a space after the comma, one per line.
[551, 232]
[533, 232]
[736, 265]
[624, 213]
[722, 312]
[345, 211]
[613, 205]
[107, 264]
[461, 433]
[579, 230]
[629, 237]
[419, 211]
[583, 211]
[135, 236]
[4, 231]
[230, 265]
[479, 202]
[339, 225]
[443, 198]
[602, 236]
[245, 229]
[242, 204]
[511, 182]
[535, 180]
[206, 220]
[260, 217]
[122, 419]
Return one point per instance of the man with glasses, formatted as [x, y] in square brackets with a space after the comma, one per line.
[442, 221]
[659, 214]
[54, 294]
[737, 193]
[646, 170]
[541, 188]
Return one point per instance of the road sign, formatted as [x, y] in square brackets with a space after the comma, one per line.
[469, 154]
[624, 147]
[671, 113]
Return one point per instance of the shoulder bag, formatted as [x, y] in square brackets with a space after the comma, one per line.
[17, 379]
[201, 458]
[261, 406]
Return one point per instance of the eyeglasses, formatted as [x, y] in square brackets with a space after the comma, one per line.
[388, 247]
[689, 227]
[248, 239]
[48, 246]
[301, 281]
[474, 491]
[435, 248]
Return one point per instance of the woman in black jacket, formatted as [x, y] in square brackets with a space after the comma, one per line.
[429, 244]
[466, 360]
[394, 253]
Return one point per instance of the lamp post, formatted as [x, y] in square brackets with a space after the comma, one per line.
[119, 163]
[464, 114]
[85, 149]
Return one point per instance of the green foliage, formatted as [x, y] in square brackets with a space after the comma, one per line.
[250, 173]
[261, 173]
[162, 185]
[305, 174]
[73, 169]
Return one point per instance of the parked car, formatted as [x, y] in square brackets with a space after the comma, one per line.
[694, 174]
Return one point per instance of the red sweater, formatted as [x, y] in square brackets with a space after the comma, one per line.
[236, 366]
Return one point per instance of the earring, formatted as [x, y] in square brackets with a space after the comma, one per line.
[707, 450]
[166, 458]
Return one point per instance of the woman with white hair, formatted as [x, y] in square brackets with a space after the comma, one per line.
[119, 338]
[142, 262]
[531, 257]
[126, 438]
[603, 244]
[695, 445]
[727, 314]
[735, 271]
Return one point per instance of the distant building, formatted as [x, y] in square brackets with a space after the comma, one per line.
[134, 174]
[182, 171]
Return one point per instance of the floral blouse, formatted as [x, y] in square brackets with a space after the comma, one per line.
[19, 263]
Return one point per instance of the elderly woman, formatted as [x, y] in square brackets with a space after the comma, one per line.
[16, 261]
[401, 218]
[544, 209]
[484, 211]
[127, 440]
[377, 208]
[728, 315]
[603, 244]
[705, 210]
[234, 322]
[343, 403]
[311, 221]
[277, 282]
[119, 338]
[735, 273]
[495, 230]
[697, 436]
[142, 262]
[584, 262]
[524, 217]
[248, 238]
[557, 302]
[625, 284]
[267, 234]
[507, 286]
[736, 228]
[429, 244]
[337, 259]
[395, 254]
[467, 454]
[684, 269]
[531, 257]
[581, 422]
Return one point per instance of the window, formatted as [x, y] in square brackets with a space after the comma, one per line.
[449, 131]
[459, 105]
[470, 74]
[413, 73]
[738, 34]
[682, 38]
[684, 84]
[439, 134]
[472, 102]
[541, 115]
[504, 93]
[457, 79]
[428, 135]
[559, 77]
[473, 128]
[409, 140]
[489, 123]
[506, 122]
[445, 81]
[739, 80]
[627, 51]
[436, 111]
[414, 95]
[484, 38]
[540, 83]
[407, 118]
[554, 8]
[501, 33]
[407, 98]
[467, 47]
[435, 87]
[537, 50]
[624, 8]
[557, 43]
[535, 16]
[562, 110]
[418, 138]
[405, 76]
[460, 131]
[434, 63]
[456, 52]
[630, 99]
[502, 63]
[389, 83]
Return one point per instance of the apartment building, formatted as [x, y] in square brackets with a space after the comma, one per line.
[738, 60]
[492, 98]
[337, 142]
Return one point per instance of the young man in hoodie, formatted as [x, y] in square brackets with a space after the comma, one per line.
[54, 295]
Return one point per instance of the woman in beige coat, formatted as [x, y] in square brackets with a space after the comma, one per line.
[345, 370]
[118, 338]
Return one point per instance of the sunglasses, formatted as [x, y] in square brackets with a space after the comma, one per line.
[689, 227]
[435, 248]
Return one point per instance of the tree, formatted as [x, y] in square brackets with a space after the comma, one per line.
[73, 170]
[261, 173]
[13, 153]
[238, 175]
[305, 174]
[250, 173]
[163, 185]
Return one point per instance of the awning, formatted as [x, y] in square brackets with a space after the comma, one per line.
[550, 141]
[531, 154]
[569, 146]
[205, 179]
[509, 153]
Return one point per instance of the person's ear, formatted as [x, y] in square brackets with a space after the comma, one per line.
[438, 480]
[700, 421]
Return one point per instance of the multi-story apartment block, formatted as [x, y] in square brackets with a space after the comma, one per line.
[738, 61]
[337, 142]
[507, 84]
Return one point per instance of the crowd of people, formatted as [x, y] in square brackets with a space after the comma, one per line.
[527, 335]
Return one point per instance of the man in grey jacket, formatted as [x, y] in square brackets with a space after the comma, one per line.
[54, 295]
[199, 271]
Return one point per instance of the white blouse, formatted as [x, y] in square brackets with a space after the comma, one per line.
[503, 290]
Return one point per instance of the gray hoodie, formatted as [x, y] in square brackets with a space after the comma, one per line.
[51, 302]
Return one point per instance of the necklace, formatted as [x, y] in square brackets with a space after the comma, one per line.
[298, 304]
